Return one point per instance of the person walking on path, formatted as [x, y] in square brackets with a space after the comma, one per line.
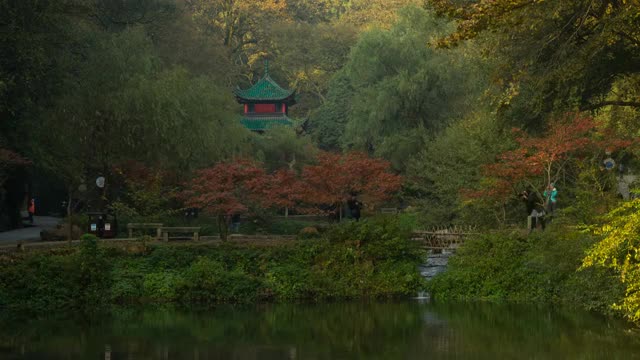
[354, 207]
[31, 209]
[551, 199]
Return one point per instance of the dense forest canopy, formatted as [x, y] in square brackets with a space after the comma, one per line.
[453, 110]
[433, 87]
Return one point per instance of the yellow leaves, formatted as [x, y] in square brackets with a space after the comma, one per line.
[619, 250]
[256, 58]
[261, 6]
[512, 91]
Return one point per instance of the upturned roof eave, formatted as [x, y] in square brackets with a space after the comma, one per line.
[241, 98]
[265, 81]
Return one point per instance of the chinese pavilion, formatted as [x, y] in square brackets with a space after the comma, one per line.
[266, 104]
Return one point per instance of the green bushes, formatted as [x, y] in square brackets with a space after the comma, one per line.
[207, 281]
[57, 281]
[540, 268]
[367, 259]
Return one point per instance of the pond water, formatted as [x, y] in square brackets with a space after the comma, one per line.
[399, 330]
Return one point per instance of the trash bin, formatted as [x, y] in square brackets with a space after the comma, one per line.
[102, 225]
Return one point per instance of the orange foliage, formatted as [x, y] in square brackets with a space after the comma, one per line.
[226, 188]
[336, 177]
[543, 157]
[236, 187]
[280, 190]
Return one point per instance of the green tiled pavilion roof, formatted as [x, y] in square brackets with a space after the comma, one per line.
[266, 89]
[261, 123]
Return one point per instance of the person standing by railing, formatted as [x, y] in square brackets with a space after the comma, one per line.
[551, 200]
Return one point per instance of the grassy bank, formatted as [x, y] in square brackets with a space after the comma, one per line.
[371, 259]
[541, 267]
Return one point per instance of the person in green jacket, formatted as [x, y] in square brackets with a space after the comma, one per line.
[551, 199]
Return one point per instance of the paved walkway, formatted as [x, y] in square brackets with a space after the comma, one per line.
[29, 234]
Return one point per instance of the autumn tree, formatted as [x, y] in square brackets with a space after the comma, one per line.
[540, 160]
[328, 184]
[281, 191]
[226, 189]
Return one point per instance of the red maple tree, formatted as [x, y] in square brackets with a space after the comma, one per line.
[328, 184]
[280, 190]
[543, 159]
[227, 189]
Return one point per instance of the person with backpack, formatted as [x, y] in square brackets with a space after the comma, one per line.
[535, 210]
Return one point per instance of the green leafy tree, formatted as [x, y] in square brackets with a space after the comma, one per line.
[368, 14]
[34, 37]
[400, 86]
[554, 55]
[243, 26]
[122, 104]
[451, 162]
[283, 148]
[619, 250]
[309, 55]
[148, 194]
[327, 122]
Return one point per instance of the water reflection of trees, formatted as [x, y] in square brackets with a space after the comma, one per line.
[515, 331]
[270, 331]
[406, 330]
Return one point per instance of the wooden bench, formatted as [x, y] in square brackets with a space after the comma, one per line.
[180, 229]
[142, 226]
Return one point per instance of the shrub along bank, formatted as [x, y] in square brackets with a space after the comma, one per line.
[371, 259]
[541, 267]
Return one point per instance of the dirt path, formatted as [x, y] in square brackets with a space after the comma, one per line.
[29, 234]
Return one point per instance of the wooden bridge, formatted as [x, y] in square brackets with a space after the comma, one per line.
[444, 238]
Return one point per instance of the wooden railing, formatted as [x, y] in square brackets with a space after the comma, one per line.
[442, 238]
